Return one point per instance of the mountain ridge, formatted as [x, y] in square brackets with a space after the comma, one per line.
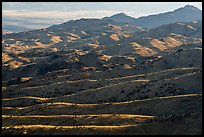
[149, 21]
[143, 21]
[178, 15]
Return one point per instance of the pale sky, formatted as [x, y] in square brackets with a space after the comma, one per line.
[59, 12]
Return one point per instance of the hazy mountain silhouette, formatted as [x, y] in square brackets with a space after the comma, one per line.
[121, 17]
[188, 29]
[184, 14]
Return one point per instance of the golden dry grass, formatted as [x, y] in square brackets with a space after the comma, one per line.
[6, 57]
[56, 39]
[156, 98]
[40, 45]
[25, 97]
[15, 64]
[105, 57]
[114, 37]
[63, 127]
[158, 44]
[172, 42]
[143, 51]
[81, 115]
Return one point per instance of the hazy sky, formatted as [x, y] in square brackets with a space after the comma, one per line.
[58, 12]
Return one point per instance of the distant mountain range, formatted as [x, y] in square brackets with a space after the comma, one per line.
[6, 29]
[184, 14]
